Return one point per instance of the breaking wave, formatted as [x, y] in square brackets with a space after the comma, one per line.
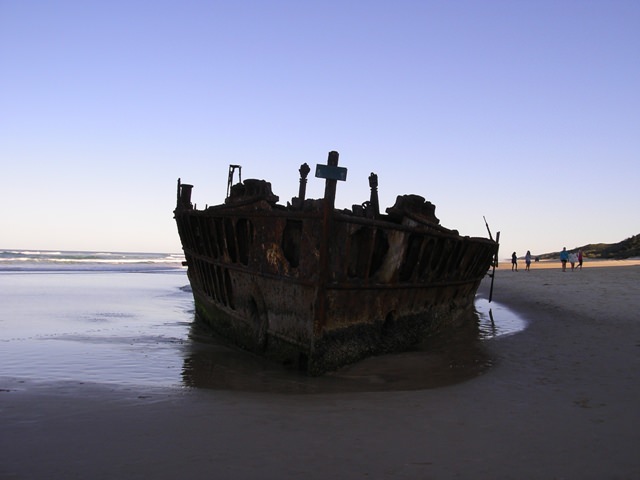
[54, 260]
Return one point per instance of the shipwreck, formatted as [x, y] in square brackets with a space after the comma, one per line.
[317, 288]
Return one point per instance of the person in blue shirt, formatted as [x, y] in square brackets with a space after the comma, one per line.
[564, 256]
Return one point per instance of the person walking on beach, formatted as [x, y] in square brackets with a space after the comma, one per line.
[573, 258]
[564, 256]
[514, 262]
[579, 259]
[527, 261]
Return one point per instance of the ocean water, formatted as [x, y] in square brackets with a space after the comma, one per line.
[74, 261]
[100, 317]
[128, 319]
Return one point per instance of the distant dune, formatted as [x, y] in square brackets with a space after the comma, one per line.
[629, 248]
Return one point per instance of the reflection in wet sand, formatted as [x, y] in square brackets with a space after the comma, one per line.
[443, 359]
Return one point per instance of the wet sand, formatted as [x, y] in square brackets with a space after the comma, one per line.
[560, 401]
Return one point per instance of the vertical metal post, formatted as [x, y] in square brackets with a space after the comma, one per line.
[302, 191]
[373, 199]
[495, 263]
[327, 226]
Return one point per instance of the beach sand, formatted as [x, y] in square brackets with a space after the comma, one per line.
[559, 402]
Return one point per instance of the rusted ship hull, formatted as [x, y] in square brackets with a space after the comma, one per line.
[316, 288]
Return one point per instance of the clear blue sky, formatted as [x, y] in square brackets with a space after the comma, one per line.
[526, 112]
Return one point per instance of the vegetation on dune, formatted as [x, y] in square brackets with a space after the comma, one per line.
[628, 248]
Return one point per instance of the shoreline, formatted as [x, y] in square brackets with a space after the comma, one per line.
[560, 401]
[555, 263]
